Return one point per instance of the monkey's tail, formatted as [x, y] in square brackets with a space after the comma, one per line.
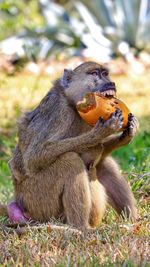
[3, 210]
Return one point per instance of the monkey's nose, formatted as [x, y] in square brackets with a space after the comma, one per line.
[105, 87]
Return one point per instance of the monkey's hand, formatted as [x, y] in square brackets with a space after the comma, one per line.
[130, 130]
[103, 128]
[115, 142]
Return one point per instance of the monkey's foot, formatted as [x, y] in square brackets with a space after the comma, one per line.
[16, 214]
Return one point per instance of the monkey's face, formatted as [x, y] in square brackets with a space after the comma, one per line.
[88, 77]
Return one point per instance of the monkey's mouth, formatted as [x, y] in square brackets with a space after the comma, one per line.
[108, 90]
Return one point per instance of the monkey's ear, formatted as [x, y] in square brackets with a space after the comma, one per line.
[66, 79]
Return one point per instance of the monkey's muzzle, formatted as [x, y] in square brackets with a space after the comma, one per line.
[108, 89]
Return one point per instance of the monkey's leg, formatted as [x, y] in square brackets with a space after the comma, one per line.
[99, 201]
[76, 194]
[117, 189]
[60, 189]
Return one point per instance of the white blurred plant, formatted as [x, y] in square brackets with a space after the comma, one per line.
[117, 24]
[99, 28]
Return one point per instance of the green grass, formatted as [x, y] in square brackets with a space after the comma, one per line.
[116, 242]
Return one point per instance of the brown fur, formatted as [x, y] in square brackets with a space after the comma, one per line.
[59, 157]
[3, 210]
[117, 189]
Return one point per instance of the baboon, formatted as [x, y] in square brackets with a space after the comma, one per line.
[61, 166]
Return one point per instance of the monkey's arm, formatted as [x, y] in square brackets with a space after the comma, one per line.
[123, 139]
[39, 155]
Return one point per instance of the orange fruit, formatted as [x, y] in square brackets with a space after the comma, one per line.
[95, 105]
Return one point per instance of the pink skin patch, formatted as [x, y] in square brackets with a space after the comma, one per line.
[16, 214]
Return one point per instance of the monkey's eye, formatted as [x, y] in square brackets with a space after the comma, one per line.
[68, 78]
[105, 72]
[94, 72]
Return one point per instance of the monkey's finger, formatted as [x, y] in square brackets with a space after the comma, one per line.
[118, 118]
[116, 113]
[115, 122]
[99, 123]
[118, 110]
[130, 116]
[101, 119]
[133, 125]
[136, 122]
[98, 126]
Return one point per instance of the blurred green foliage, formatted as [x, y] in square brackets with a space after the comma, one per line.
[16, 15]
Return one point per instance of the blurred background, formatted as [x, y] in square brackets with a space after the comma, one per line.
[38, 39]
